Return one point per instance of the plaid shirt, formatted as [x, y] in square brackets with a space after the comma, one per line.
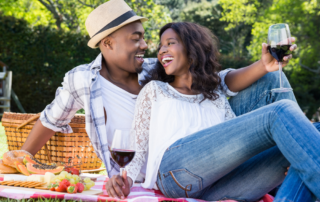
[80, 90]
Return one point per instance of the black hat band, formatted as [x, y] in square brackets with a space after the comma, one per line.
[122, 18]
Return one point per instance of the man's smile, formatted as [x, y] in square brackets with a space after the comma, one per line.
[139, 57]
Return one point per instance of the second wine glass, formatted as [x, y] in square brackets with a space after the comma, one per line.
[279, 42]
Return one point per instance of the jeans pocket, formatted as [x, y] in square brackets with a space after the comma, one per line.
[182, 183]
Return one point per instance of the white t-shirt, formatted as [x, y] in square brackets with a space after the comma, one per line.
[163, 116]
[119, 105]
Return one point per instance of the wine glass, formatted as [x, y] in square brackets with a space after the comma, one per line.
[279, 42]
[123, 147]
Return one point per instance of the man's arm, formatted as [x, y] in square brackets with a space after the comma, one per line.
[55, 117]
[240, 79]
[37, 138]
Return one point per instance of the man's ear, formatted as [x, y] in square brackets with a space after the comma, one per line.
[107, 42]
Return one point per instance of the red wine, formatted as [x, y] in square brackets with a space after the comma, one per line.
[279, 51]
[122, 157]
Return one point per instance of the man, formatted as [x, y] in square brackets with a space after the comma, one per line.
[107, 87]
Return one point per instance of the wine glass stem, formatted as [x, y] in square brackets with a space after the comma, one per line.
[280, 74]
[121, 171]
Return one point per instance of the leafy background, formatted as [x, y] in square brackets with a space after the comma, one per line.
[41, 40]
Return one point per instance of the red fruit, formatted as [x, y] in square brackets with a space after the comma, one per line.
[63, 186]
[72, 189]
[80, 187]
[75, 171]
[68, 169]
[72, 170]
[53, 186]
[66, 182]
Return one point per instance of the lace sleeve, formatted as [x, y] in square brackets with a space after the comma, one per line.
[141, 123]
[229, 114]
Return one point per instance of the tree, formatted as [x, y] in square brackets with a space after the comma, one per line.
[232, 42]
[303, 18]
[158, 16]
[70, 15]
[174, 6]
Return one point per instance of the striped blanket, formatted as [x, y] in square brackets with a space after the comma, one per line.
[138, 194]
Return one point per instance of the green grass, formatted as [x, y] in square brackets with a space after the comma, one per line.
[3, 141]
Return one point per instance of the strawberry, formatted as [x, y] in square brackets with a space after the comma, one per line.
[80, 187]
[53, 186]
[66, 182]
[74, 171]
[62, 186]
[72, 189]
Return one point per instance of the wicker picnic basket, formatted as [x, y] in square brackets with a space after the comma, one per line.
[61, 148]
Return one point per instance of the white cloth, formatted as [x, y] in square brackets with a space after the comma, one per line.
[163, 116]
[119, 105]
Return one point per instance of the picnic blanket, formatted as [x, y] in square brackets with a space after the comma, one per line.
[138, 194]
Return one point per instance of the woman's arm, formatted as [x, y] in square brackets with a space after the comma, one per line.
[240, 79]
[119, 186]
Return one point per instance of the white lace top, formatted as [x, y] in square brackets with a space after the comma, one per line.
[163, 116]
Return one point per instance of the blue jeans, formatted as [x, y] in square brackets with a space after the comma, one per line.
[246, 157]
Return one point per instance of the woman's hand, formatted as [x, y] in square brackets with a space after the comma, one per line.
[119, 187]
[270, 63]
[287, 171]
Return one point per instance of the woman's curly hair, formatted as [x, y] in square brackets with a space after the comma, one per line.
[202, 51]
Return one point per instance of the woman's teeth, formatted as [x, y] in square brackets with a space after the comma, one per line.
[166, 60]
[139, 56]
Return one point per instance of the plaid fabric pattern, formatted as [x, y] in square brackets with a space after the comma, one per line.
[81, 90]
[138, 194]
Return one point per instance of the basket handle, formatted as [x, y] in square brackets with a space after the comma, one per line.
[29, 120]
[48, 153]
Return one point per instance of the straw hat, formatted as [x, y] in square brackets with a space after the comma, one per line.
[107, 18]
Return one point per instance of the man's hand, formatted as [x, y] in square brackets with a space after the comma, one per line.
[269, 62]
[119, 187]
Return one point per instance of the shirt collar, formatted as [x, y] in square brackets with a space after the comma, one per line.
[97, 63]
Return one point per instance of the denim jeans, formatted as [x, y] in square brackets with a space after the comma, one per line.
[246, 157]
[293, 189]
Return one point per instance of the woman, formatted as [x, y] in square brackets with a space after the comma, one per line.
[192, 141]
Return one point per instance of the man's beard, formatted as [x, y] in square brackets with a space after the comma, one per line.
[139, 70]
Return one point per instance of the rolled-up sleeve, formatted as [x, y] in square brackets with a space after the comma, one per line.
[57, 115]
[224, 86]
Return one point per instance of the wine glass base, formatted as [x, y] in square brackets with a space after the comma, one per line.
[281, 90]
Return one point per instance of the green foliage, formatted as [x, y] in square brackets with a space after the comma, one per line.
[158, 16]
[70, 15]
[31, 11]
[303, 18]
[3, 141]
[175, 7]
[39, 58]
[238, 11]
[232, 41]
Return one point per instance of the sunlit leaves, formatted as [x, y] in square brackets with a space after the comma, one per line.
[237, 11]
